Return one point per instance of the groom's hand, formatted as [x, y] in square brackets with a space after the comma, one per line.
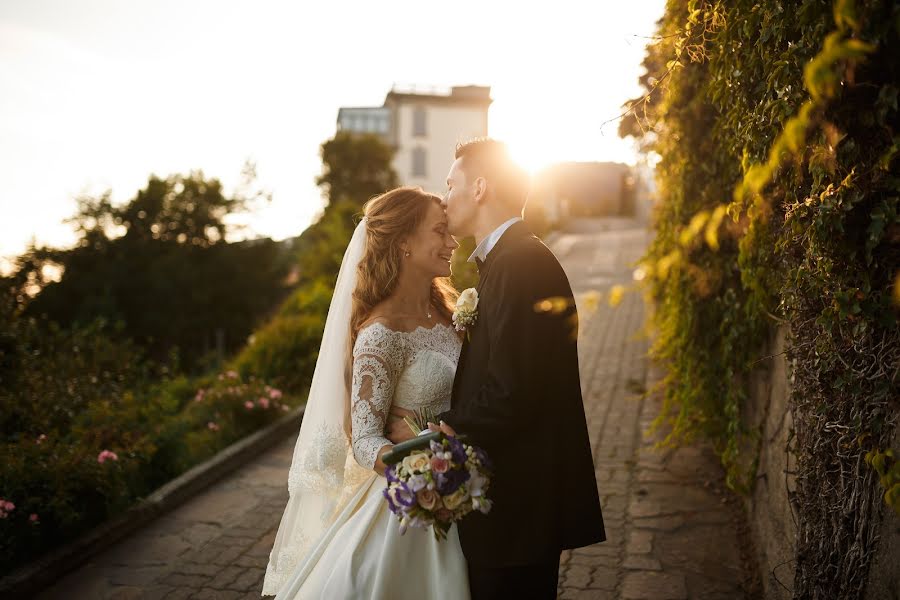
[442, 427]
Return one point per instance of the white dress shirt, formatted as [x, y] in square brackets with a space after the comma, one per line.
[488, 243]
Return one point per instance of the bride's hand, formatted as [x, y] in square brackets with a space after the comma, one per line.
[401, 413]
[397, 430]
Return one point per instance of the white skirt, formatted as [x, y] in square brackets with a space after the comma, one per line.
[363, 555]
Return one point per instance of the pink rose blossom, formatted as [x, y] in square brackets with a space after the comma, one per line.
[231, 374]
[263, 401]
[212, 426]
[440, 465]
[106, 454]
[285, 407]
[33, 518]
[248, 405]
[428, 499]
[7, 505]
[274, 394]
[199, 396]
[41, 438]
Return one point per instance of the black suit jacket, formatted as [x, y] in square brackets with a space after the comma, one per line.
[517, 394]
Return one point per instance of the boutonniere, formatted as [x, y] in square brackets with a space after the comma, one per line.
[466, 312]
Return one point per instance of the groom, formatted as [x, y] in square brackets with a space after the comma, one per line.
[517, 392]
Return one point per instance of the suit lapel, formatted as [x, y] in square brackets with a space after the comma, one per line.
[516, 230]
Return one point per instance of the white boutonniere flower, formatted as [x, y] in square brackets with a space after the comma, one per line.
[466, 312]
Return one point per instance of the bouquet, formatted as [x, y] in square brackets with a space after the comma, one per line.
[439, 485]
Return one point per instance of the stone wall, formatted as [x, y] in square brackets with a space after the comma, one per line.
[771, 517]
[769, 510]
[884, 578]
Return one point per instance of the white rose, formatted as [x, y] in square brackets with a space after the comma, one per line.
[454, 500]
[417, 462]
[467, 301]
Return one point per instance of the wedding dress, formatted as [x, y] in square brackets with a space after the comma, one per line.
[337, 538]
[362, 554]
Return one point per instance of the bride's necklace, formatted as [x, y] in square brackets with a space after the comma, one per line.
[417, 311]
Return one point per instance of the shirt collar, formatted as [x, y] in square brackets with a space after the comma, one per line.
[488, 243]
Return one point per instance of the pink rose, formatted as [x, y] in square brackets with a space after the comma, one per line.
[231, 374]
[106, 454]
[440, 465]
[248, 405]
[33, 518]
[41, 438]
[263, 401]
[274, 394]
[212, 426]
[428, 499]
[8, 506]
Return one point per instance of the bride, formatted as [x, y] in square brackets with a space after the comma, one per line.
[392, 307]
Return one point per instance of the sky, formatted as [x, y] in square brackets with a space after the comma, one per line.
[97, 95]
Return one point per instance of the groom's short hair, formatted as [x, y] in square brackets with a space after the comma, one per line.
[490, 158]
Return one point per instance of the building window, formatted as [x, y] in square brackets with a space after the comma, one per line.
[419, 121]
[418, 162]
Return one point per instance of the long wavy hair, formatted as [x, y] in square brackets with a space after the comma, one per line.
[392, 217]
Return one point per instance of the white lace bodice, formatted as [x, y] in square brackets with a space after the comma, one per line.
[409, 369]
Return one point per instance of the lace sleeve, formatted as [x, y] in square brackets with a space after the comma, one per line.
[375, 370]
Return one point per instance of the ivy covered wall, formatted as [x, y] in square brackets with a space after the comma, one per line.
[776, 127]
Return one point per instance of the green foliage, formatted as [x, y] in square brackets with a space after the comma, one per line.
[284, 350]
[76, 381]
[158, 266]
[67, 395]
[796, 112]
[356, 167]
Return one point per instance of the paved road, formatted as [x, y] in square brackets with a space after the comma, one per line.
[672, 530]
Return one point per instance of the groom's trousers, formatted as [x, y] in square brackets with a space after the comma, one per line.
[525, 582]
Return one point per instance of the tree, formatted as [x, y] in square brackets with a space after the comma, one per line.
[159, 265]
[355, 168]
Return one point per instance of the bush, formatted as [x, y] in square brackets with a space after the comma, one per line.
[90, 427]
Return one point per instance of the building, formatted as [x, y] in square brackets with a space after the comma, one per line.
[423, 125]
[583, 189]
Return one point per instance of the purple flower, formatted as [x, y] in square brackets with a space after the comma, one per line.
[457, 451]
[390, 474]
[404, 496]
[390, 501]
[449, 482]
[417, 482]
[483, 458]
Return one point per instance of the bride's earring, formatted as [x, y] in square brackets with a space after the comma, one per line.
[407, 254]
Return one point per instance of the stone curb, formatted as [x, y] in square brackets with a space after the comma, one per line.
[31, 578]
